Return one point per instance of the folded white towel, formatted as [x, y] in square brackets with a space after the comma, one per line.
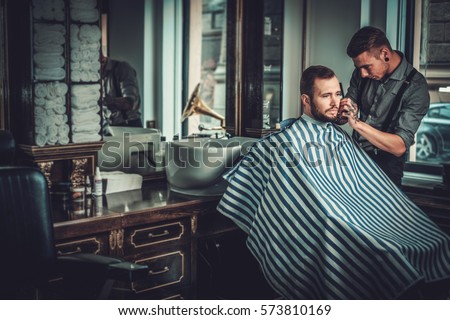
[86, 137]
[49, 113]
[50, 104]
[63, 139]
[40, 140]
[75, 75]
[38, 111]
[49, 37]
[85, 89]
[85, 76]
[48, 60]
[63, 130]
[94, 76]
[39, 101]
[52, 131]
[94, 108]
[49, 73]
[40, 129]
[49, 48]
[94, 46]
[83, 4]
[40, 90]
[57, 120]
[52, 140]
[90, 127]
[85, 100]
[61, 88]
[60, 109]
[84, 15]
[54, 27]
[39, 121]
[90, 33]
[89, 118]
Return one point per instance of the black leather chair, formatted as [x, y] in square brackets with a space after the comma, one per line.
[7, 148]
[28, 252]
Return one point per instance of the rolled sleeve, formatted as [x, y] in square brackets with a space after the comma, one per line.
[415, 105]
[128, 84]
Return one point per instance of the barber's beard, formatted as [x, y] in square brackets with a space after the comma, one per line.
[320, 116]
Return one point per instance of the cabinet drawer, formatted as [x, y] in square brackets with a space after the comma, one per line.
[164, 270]
[143, 237]
[88, 245]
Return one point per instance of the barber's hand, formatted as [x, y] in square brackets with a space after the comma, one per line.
[108, 100]
[348, 111]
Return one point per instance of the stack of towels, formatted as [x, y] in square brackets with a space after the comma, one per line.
[48, 9]
[84, 10]
[50, 114]
[84, 53]
[118, 181]
[85, 113]
[48, 54]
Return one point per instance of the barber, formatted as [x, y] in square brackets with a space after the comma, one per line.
[121, 99]
[387, 98]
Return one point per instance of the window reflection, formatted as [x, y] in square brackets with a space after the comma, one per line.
[433, 136]
[213, 63]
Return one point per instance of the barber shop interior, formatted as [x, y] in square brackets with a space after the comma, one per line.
[225, 149]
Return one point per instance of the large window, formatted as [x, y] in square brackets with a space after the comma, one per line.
[432, 44]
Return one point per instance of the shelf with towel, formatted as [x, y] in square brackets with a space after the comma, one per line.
[56, 85]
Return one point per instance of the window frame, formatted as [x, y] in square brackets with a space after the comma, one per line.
[425, 171]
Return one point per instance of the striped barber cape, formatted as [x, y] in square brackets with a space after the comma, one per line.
[325, 222]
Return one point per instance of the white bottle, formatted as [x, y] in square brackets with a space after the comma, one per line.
[88, 186]
[98, 183]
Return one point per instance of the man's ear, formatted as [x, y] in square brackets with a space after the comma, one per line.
[305, 100]
[384, 53]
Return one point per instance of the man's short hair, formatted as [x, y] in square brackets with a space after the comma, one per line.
[309, 76]
[366, 39]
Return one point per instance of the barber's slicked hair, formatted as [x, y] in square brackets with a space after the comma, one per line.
[310, 75]
[366, 39]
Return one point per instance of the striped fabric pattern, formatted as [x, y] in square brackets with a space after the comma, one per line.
[325, 222]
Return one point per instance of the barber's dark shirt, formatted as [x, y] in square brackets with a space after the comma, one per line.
[378, 97]
[119, 80]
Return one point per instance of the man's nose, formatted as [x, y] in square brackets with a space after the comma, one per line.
[364, 73]
[336, 100]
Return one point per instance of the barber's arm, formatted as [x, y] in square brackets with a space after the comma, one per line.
[388, 142]
[414, 107]
[119, 103]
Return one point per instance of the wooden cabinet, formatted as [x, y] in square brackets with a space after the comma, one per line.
[159, 230]
[165, 247]
[55, 85]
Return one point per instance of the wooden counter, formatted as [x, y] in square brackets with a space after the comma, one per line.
[152, 226]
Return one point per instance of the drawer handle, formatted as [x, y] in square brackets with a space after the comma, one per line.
[165, 233]
[60, 253]
[154, 273]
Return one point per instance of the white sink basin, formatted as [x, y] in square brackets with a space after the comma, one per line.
[196, 166]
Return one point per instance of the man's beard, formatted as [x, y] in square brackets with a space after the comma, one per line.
[321, 116]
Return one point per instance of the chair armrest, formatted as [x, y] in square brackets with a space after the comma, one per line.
[88, 265]
[127, 271]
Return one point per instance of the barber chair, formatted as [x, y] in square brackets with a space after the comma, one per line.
[7, 148]
[29, 257]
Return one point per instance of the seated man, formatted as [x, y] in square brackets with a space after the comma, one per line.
[322, 218]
